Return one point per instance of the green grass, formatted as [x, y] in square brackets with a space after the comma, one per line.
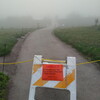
[9, 37]
[4, 79]
[84, 39]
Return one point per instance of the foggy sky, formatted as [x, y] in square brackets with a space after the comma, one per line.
[49, 8]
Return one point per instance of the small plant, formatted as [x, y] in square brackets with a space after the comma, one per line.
[4, 79]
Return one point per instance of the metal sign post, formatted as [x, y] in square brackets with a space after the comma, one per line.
[53, 75]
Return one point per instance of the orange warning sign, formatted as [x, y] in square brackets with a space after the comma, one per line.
[52, 72]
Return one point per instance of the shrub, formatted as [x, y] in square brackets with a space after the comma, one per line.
[4, 79]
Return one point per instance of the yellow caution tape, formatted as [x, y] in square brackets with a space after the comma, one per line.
[16, 62]
[87, 62]
[48, 60]
[60, 61]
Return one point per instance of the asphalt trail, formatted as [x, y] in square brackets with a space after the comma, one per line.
[43, 42]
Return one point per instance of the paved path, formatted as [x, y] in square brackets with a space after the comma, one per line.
[43, 42]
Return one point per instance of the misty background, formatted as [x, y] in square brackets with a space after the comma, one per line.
[43, 13]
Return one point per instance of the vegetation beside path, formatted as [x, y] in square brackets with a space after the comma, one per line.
[84, 39]
[4, 79]
[8, 38]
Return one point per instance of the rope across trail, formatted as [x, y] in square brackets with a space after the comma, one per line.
[48, 60]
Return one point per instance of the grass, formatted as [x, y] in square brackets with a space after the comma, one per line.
[84, 39]
[4, 79]
[8, 38]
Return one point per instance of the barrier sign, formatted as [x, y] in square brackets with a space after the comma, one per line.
[52, 72]
[53, 75]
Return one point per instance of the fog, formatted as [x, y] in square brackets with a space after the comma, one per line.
[47, 9]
